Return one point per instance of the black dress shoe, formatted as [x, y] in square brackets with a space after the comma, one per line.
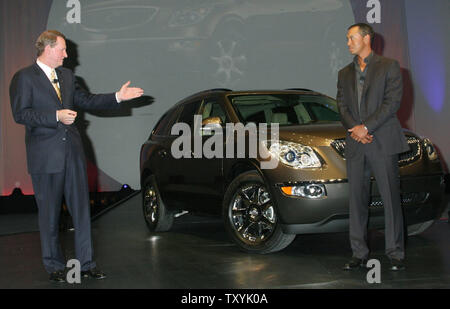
[93, 273]
[355, 263]
[397, 264]
[57, 276]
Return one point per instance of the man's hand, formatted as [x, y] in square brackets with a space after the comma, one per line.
[127, 93]
[66, 116]
[360, 134]
[367, 139]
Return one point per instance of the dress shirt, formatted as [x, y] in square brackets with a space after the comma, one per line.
[360, 77]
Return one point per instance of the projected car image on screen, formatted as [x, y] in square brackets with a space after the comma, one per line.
[264, 208]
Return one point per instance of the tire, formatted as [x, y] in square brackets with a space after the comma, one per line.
[157, 217]
[419, 228]
[250, 216]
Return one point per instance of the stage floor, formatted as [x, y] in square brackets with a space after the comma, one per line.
[197, 253]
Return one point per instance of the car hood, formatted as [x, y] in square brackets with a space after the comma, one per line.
[315, 134]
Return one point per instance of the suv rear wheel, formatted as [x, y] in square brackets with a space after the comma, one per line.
[250, 216]
[156, 214]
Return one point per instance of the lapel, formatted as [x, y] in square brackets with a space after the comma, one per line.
[351, 79]
[45, 84]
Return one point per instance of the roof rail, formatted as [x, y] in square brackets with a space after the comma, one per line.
[219, 89]
[204, 92]
[301, 89]
[211, 90]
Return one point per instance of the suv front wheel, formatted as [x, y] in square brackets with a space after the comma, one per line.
[250, 216]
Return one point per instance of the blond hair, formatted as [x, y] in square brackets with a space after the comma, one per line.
[48, 37]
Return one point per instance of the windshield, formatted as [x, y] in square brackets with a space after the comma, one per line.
[285, 109]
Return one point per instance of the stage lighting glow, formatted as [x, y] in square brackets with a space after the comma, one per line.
[153, 239]
[126, 187]
[428, 59]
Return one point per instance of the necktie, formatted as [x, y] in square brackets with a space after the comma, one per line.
[55, 84]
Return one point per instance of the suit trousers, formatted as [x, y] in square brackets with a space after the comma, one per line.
[49, 190]
[385, 169]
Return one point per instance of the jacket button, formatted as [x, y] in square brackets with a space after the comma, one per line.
[64, 138]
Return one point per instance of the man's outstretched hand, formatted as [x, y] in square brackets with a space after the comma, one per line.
[127, 93]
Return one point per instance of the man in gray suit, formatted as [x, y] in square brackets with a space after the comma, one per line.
[44, 98]
[369, 95]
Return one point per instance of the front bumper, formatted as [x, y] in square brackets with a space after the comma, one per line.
[422, 200]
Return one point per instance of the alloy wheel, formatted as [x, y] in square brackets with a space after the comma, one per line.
[252, 214]
[150, 205]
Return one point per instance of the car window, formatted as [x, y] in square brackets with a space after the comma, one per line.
[321, 112]
[189, 111]
[322, 100]
[212, 108]
[302, 113]
[284, 109]
[164, 124]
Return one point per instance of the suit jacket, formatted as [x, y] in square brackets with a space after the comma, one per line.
[34, 103]
[380, 101]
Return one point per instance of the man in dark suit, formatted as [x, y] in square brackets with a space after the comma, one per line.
[369, 95]
[44, 97]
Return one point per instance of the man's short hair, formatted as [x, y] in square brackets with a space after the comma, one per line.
[48, 37]
[364, 29]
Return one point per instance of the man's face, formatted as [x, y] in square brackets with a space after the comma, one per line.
[355, 41]
[55, 55]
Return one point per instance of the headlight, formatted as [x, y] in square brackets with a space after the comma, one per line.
[313, 191]
[293, 154]
[429, 149]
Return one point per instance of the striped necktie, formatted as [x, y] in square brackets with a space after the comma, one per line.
[55, 84]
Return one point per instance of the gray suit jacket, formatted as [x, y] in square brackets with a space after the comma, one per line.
[380, 101]
[34, 104]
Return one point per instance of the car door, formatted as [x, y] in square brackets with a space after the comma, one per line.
[204, 177]
[176, 163]
[192, 180]
[161, 140]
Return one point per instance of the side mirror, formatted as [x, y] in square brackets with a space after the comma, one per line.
[210, 126]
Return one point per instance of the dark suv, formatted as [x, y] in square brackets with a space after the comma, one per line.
[214, 171]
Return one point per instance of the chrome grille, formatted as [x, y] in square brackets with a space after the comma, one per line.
[407, 198]
[339, 146]
[413, 154]
[405, 158]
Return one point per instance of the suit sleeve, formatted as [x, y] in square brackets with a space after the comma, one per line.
[85, 100]
[346, 117]
[391, 98]
[21, 97]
